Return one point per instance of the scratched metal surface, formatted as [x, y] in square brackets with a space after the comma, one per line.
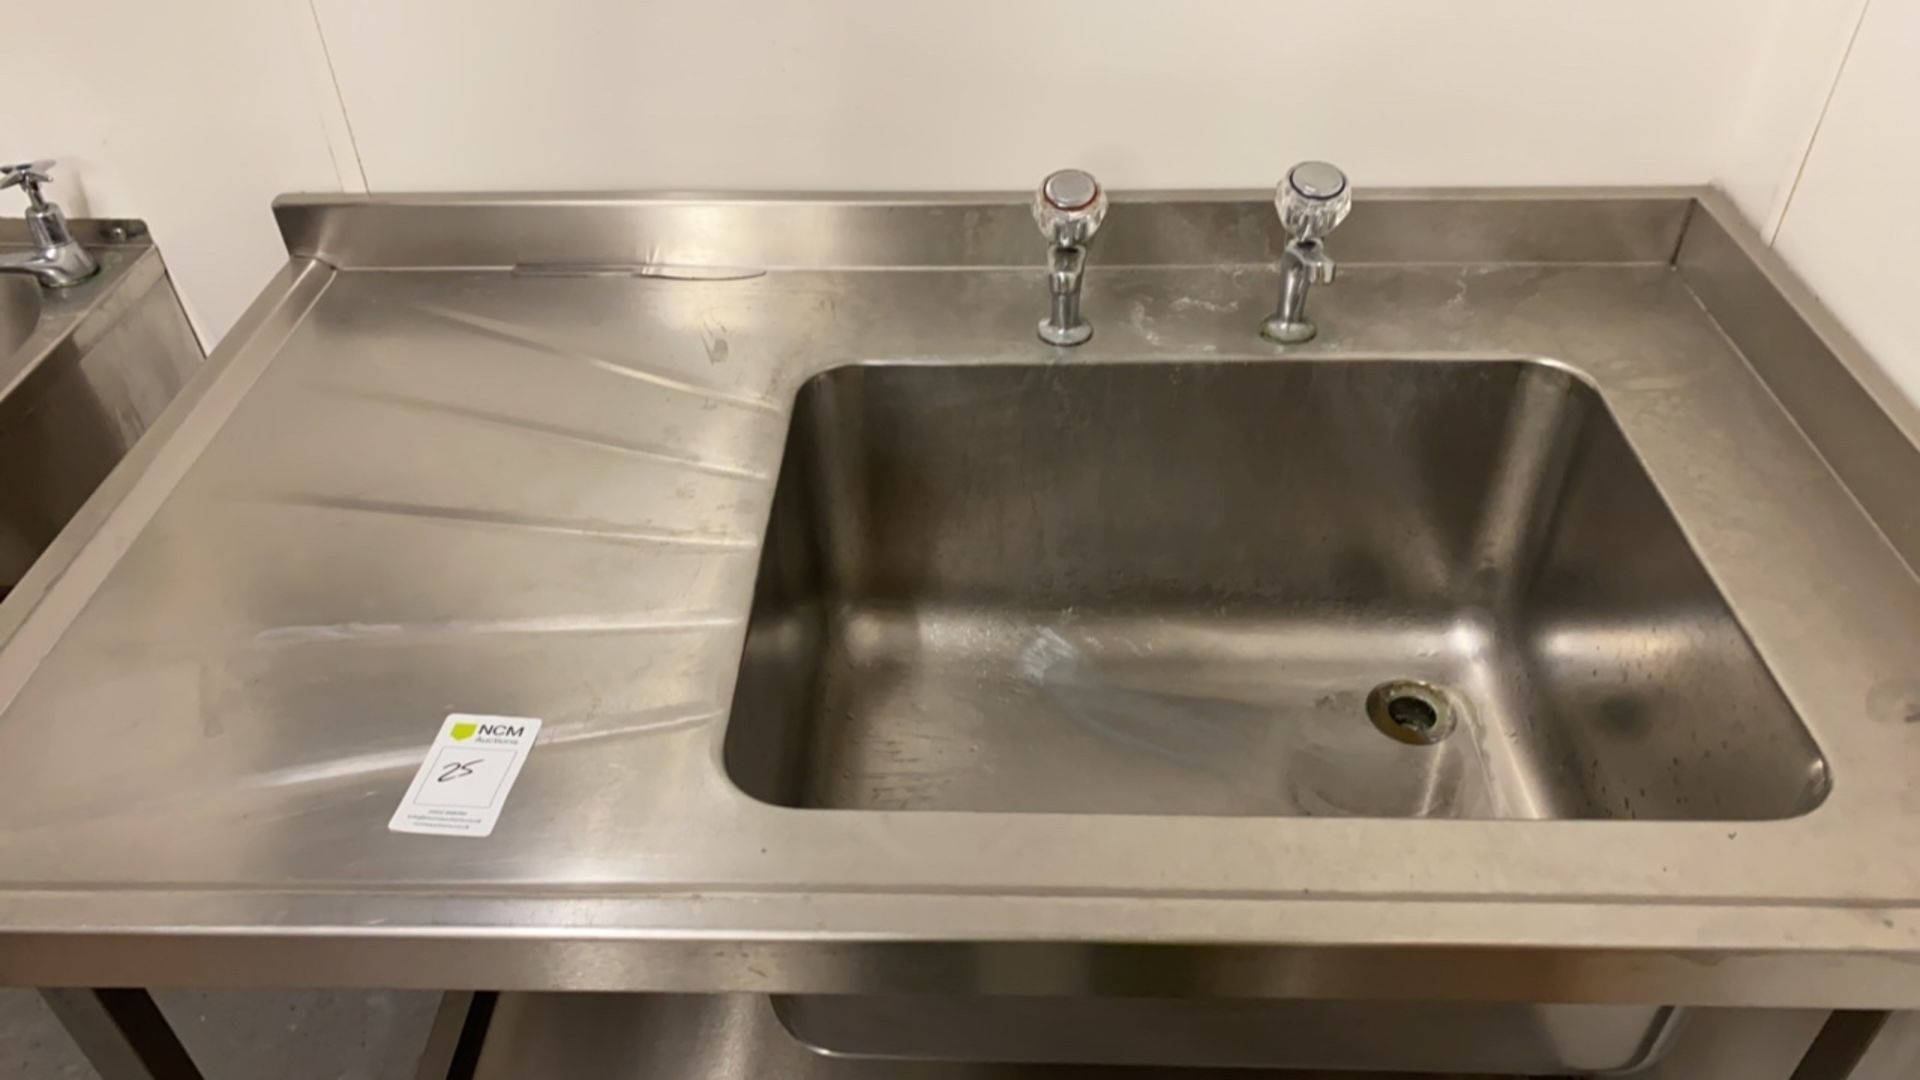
[404, 494]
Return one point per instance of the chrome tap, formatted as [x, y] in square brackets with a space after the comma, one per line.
[1313, 200]
[57, 260]
[1069, 208]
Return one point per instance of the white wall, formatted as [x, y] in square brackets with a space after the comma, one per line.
[190, 114]
[994, 93]
[1851, 229]
[195, 113]
[1800, 52]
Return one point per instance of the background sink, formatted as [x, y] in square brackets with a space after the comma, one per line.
[112, 354]
[19, 310]
[1176, 588]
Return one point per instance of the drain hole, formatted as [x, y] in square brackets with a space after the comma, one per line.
[1411, 711]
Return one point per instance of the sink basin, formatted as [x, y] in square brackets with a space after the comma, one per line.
[1374, 588]
[19, 310]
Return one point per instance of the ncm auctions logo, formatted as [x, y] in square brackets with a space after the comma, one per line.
[462, 732]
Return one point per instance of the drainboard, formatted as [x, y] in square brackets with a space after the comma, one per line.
[1373, 587]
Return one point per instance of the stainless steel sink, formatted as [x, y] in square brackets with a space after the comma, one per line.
[84, 372]
[19, 311]
[1373, 588]
[1623, 516]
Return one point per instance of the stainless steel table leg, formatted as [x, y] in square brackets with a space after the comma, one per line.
[122, 1033]
[1845, 1039]
[459, 1030]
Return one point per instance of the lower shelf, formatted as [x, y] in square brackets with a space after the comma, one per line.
[742, 1037]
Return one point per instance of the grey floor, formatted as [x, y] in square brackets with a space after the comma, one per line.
[245, 1035]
